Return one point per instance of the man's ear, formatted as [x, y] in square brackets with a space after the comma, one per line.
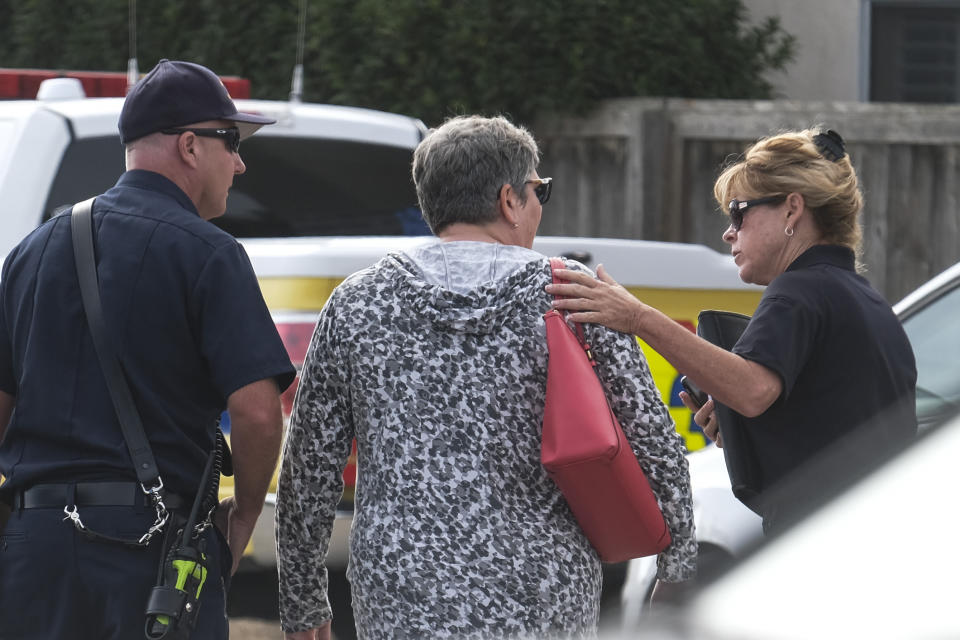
[188, 148]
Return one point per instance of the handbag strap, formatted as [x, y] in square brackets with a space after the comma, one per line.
[139, 447]
[555, 265]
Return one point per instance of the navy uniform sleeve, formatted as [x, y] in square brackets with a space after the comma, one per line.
[8, 382]
[237, 335]
[780, 336]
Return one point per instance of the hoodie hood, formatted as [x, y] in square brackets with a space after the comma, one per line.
[471, 287]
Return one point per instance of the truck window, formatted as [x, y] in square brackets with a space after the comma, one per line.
[319, 187]
[294, 186]
[89, 167]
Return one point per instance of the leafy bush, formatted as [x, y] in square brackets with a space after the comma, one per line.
[436, 58]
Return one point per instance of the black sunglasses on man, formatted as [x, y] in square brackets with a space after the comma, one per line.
[230, 135]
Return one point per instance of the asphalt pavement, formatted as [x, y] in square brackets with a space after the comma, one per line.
[252, 606]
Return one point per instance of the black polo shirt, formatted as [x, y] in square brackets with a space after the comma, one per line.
[843, 358]
[188, 321]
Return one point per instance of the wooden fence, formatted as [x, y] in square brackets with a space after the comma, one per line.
[644, 168]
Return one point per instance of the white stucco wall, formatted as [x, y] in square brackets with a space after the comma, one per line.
[827, 65]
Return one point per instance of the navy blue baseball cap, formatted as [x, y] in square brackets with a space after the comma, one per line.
[175, 94]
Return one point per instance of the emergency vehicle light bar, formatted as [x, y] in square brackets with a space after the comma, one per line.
[22, 84]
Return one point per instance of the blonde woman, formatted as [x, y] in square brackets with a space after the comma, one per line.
[822, 355]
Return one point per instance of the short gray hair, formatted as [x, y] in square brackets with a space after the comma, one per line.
[459, 168]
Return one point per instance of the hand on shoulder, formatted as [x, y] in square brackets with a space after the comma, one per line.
[601, 300]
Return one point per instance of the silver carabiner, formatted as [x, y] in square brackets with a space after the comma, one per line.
[153, 490]
[162, 518]
[74, 515]
[206, 524]
[162, 514]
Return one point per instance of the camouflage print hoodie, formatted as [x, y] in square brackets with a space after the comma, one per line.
[435, 361]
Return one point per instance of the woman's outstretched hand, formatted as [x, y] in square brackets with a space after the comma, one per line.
[598, 300]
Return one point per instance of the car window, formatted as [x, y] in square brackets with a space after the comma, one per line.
[293, 187]
[934, 333]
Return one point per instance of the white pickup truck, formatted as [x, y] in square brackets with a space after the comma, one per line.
[327, 192]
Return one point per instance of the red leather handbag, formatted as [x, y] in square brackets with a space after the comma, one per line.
[586, 453]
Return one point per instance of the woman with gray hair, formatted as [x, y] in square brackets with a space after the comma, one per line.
[435, 360]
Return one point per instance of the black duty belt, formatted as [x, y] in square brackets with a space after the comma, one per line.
[87, 494]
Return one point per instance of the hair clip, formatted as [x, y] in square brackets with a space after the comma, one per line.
[830, 145]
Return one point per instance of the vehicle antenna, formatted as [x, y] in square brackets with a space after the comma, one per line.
[133, 73]
[296, 88]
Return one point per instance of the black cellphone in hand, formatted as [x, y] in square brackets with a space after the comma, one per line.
[698, 395]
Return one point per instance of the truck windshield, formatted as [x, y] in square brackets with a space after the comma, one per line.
[293, 186]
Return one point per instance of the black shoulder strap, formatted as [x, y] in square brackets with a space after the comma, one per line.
[82, 230]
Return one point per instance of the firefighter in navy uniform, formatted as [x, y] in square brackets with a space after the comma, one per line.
[187, 320]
